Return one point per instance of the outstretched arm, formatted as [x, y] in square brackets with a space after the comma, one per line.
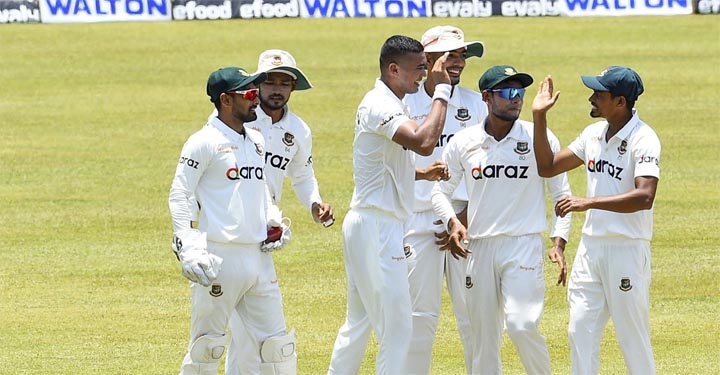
[548, 163]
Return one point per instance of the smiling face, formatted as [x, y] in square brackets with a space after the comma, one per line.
[603, 104]
[455, 63]
[409, 71]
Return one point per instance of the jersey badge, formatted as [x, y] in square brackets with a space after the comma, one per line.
[463, 114]
[259, 149]
[288, 139]
[408, 250]
[625, 284]
[216, 290]
[522, 148]
[622, 148]
[468, 282]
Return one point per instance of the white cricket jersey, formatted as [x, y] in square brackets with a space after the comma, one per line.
[506, 194]
[224, 171]
[466, 108]
[288, 153]
[611, 168]
[383, 171]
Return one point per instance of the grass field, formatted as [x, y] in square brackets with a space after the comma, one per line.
[93, 117]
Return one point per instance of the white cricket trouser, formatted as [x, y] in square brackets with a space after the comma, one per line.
[378, 297]
[505, 280]
[248, 285]
[243, 353]
[610, 278]
[427, 266]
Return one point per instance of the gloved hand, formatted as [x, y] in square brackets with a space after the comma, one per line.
[284, 225]
[198, 265]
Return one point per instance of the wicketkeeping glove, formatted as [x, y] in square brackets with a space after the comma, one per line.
[198, 265]
[284, 238]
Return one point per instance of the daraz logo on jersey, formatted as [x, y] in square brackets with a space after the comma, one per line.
[498, 171]
[244, 173]
[604, 166]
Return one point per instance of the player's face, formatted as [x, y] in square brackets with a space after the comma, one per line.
[243, 110]
[275, 91]
[411, 70]
[455, 63]
[603, 104]
[506, 109]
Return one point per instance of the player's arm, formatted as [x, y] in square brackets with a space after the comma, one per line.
[640, 198]
[437, 171]
[304, 182]
[549, 163]
[442, 205]
[559, 188]
[422, 138]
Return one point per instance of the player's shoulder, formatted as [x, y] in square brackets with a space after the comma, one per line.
[297, 125]
[254, 135]
[467, 136]
[466, 92]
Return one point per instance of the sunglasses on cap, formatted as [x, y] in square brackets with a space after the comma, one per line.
[250, 94]
[510, 93]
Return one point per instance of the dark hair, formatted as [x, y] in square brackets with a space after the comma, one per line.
[397, 46]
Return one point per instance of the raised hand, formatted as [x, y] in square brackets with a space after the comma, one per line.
[545, 99]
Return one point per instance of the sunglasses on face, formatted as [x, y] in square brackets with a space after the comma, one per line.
[510, 93]
[250, 94]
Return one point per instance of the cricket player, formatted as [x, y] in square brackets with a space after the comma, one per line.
[611, 272]
[427, 264]
[506, 217]
[223, 167]
[288, 153]
[386, 140]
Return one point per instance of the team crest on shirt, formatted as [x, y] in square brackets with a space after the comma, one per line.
[468, 282]
[625, 284]
[216, 290]
[288, 139]
[259, 149]
[462, 114]
[408, 250]
[622, 148]
[522, 148]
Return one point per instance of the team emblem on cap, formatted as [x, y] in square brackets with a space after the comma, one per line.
[510, 72]
[622, 148]
[462, 114]
[277, 60]
[625, 284]
[468, 282]
[216, 290]
[259, 149]
[288, 139]
[522, 148]
[244, 73]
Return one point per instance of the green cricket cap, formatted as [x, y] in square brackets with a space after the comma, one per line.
[229, 79]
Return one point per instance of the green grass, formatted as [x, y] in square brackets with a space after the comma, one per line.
[93, 117]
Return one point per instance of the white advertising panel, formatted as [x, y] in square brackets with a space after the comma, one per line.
[76, 11]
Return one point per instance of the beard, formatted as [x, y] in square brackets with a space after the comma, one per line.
[273, 103]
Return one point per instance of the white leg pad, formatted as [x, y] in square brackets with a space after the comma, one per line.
[207, 349]
[278, 355]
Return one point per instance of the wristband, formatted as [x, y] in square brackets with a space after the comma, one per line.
[442, 92]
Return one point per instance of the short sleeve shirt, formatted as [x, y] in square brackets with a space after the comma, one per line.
[611, 168]
[383, 171]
